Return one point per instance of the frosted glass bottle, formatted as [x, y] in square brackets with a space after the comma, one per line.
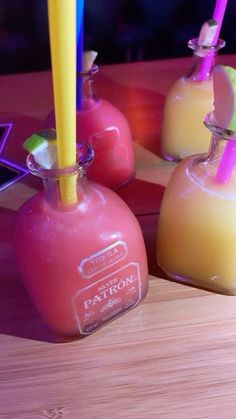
[196, 237]
[103, 127]
[186, 104]
[83, 264]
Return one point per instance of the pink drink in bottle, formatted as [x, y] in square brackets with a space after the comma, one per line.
[84, 264]
[102, 126]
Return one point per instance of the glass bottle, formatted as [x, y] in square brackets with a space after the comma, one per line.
[188, 101]
[196, 238]
[84, 264]
[102, 126]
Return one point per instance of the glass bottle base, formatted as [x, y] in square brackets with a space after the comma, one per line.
[205, 285]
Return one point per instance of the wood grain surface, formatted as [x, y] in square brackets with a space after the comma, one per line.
[174, 356]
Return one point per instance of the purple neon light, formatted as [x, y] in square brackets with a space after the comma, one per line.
[20, 171]
[7, 128]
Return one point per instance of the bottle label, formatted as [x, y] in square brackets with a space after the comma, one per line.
[104, 139]
[103, 259]
[107, 298]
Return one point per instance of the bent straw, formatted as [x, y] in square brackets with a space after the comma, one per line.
[79, 50]
[62, 33]
[218, 16]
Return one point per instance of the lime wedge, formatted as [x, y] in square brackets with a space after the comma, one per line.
[224, 84]
[43, 147]
[35, 143]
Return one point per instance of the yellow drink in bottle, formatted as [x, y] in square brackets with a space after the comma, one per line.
[188, 101]
[196, 240]
[183, 132]
[197, 230]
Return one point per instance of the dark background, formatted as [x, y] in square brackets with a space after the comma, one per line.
[121, 30]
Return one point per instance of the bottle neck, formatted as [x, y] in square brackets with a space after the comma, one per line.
[215, 171]
[54, 178]
[86, 97]
[221, 158]
[52, 190]
[204, 58]
[221, 140]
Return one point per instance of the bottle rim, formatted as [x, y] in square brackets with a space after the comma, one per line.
[226, 133]
[84, 157]
[194, 45]
[90, 73]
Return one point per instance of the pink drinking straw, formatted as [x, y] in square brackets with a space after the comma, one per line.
[227, 163]
[228, 160]
[218, 16]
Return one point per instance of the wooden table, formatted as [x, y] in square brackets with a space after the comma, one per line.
[174, 356]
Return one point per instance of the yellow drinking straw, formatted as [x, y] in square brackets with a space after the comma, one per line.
[62, 31]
